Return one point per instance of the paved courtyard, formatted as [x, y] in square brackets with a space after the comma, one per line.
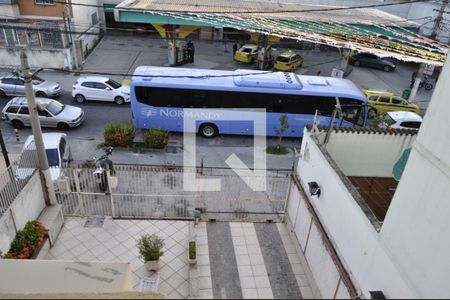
[235, 260]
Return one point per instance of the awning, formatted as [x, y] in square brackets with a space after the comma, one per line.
[399, 166]
[367, 30]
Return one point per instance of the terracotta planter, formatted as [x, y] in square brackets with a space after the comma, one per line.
[153, 265]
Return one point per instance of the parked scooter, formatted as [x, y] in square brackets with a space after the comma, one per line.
[102, 165]
[424, 83]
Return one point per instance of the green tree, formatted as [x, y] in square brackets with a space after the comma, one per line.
[284, 125]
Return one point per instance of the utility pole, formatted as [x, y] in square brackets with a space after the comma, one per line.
[438, 20]
[49, 190]
[4, 151]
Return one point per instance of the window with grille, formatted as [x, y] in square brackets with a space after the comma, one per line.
[44, 2]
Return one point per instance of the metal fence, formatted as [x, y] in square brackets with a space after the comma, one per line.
[157, 192]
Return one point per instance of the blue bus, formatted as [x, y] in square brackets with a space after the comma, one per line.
[161, 95]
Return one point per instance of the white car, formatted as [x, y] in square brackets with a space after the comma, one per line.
[402, 120]
[57, 149]
[101, 89]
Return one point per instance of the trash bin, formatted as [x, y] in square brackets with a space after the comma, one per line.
[197, 216]
[406, 93]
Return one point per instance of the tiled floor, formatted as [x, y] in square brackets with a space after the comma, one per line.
[252, 271]
[116, 241]
[203, 263]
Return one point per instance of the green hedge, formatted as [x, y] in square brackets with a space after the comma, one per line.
[156, 138]
[119, 134]
[27, 241]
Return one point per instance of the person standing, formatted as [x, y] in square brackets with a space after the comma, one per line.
[235, 47]
[192, 52]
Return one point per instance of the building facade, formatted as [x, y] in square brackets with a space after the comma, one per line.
[390, 235]
[53, 34]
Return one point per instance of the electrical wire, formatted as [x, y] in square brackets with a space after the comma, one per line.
[60, 70]
[255, 11]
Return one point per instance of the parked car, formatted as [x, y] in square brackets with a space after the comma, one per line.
[381, 102]
[288, 61]
[58, 151]
[51, 113]
[101, 89]
[401, 120]
[372, 61]
[14, 85]
[247, 53]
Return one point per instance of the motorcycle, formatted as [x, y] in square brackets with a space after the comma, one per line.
[102, 165]
[424, 83]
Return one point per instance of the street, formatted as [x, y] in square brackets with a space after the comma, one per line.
[122, 54]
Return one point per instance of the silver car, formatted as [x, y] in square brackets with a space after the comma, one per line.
[51, 113]
[13, 85]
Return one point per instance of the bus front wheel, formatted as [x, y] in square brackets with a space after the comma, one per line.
[208, 130]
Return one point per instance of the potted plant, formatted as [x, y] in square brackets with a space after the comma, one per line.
[150, 250]
[192, 252]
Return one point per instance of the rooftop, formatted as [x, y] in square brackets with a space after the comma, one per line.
[366, 167]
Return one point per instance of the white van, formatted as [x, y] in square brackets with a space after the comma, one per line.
[58, 152]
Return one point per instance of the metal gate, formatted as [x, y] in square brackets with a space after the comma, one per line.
[157, 192]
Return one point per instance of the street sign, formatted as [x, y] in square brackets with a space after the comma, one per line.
[337, 73]
[428, 69]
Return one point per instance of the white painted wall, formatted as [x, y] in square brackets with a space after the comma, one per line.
[422, 10]
[9, 11]
[416, 228]
[367, 154]
[58, 58]
[26, 207]
[82, 15]
[26, 276]
[353, 235]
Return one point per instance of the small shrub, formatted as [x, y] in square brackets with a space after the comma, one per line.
[192, 250]
[150, 247]
[27, 241]
[119, 134]
[277, 149]
[156, 138]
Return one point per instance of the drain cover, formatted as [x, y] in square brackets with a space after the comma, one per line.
[94, 222]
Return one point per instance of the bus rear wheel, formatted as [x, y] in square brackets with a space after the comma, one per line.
[208, 130]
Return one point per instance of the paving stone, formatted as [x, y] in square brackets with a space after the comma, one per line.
[224, 272]
[281, 276]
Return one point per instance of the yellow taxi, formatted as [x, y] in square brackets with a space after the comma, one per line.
[247, 53]
[288, 61]
[381, 102]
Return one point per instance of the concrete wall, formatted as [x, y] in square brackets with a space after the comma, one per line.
[419, 11]
[367, 154]
[87, 42]
[56, 58]
[354, 236]
[9, 10]
[305, 231]
[416, 228]
[51, 276]
[26, 207]
[82, 14]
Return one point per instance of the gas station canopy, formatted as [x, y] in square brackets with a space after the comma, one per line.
[363, 29]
